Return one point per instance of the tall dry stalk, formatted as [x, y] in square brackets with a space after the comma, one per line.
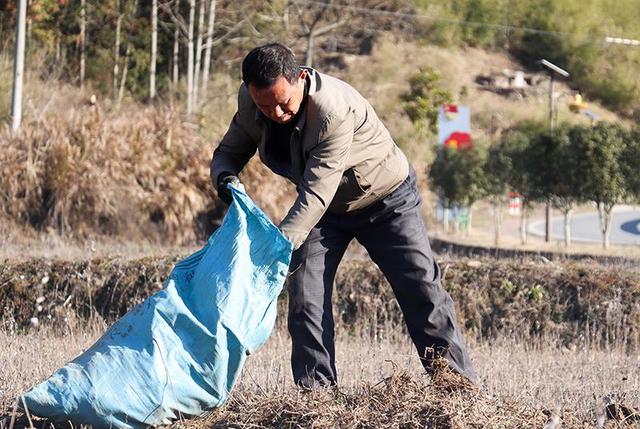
[136, 173]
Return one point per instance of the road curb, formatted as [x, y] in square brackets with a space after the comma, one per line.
[445, 247]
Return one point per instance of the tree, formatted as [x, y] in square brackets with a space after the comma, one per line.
[176, 47]
[458, 176]
[198, 53]
[631, 164]
[116, 48]
[598, 153]
[154, 49]
[127, 54]
[325, 29]
[424, 98]
[312, 28]
[497, 171]
[18, 69]
[190, 60]
[83, 40]
[515, 144]
[566, 177]
[208, 46]
[556, 175]
[186, 31]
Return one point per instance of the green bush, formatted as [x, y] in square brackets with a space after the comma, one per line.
[424, 98]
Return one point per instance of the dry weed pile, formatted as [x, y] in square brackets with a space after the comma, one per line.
[445, 401]
[138, 173]
[56, 292]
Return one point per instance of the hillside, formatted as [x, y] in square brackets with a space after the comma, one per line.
[171, 198]
[384, 75]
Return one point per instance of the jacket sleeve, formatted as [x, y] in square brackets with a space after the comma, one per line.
[239, 143]
[323, 172]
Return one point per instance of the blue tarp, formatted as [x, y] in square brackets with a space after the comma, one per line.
[179, 352]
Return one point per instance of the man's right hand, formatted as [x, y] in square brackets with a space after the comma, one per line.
[224, 193]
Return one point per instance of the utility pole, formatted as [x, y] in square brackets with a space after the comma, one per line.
[18, 68]
[552, 70]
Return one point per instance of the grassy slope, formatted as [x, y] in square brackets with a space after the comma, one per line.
[384, 75]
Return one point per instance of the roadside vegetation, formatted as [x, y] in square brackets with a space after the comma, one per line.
[579, 303]
[567, 166]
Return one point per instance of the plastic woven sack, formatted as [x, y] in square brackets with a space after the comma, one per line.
[179, 352]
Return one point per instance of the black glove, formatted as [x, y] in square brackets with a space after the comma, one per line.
[224, 193]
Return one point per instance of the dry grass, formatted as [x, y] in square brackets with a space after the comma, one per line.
[87, 171]
[93, 172]
[381, 384]
[138, 173]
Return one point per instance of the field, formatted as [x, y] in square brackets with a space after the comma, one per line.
[100, 201]
[534, 365]
[517, 377]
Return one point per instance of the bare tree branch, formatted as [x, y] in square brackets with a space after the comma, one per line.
[328, 28]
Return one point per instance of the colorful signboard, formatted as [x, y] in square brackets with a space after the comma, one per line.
[454, 126]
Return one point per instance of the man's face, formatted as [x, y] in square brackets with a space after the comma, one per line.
[281, 101]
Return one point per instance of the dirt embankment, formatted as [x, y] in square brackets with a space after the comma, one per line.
[574, 302]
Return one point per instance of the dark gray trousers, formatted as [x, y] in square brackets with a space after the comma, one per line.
[393, 232]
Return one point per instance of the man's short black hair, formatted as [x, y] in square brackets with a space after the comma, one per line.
[265, 64]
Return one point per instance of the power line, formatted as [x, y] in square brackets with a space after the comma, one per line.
[505, 27]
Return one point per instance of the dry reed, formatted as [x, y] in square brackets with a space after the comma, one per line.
[141, 173]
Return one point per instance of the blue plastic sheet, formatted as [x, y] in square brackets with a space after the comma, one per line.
[179, 352]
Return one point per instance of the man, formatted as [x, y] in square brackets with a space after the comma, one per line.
[352, 182]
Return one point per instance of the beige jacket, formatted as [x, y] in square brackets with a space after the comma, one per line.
[343, 158]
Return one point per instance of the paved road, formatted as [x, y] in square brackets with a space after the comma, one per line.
[585, 227]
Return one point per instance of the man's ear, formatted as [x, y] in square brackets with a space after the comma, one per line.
[303, 74]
